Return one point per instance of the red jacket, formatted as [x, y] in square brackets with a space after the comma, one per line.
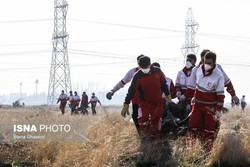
[209, 88]
[148, 86]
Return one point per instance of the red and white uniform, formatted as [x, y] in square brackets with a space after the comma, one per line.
[171, 87]
[71, 99]
[85, 100]
[150, 88]
[76, 100]
[192, 82]
[208, 98]
[63, 101]
[93, 100]
[227, 82]
[127, 78]
[243, 103]
[63, 98]
[182, 80]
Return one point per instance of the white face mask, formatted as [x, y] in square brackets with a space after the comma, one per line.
[188, 64]
[207, 67]
[146, 70]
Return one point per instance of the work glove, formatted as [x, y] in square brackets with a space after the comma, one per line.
[218, 115]
[178, 94]
[182, 98]
[109, 95]
[125, 110]
[235, 99]
[168, 99]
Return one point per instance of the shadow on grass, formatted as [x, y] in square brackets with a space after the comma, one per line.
[152, 153]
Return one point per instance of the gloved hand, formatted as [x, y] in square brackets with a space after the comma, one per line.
[125, 110]
[109, 95]
[178, 94]
[182, 98]
[235, 99]
[168, 98]
[218, 115]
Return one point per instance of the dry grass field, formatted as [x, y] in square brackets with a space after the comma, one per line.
[113, 141]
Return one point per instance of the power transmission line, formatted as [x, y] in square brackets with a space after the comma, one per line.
[226, 37]
[24, 44]
[24, 52]
[159, 29]
[127, 39]
[77, 65]
[126, 25]
[22, 21]
[115, 63]
[211, 35]
[96, 41]
[130, 26]
[100, 54]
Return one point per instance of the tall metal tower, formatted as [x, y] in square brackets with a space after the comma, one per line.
[59, 70]
[191, 26]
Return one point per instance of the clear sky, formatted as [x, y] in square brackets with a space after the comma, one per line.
[105, 37]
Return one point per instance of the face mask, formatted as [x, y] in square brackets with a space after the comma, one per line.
[146, 70]
[188, 65]
[207, 67]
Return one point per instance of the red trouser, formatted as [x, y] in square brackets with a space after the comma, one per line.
[149, 119]
[203, 123]
[62, 106]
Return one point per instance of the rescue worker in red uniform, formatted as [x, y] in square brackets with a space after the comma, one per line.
[169, 81]
[227, 82]
[70, 99]
[84, 103]
[126, 79]
[181, 83]
[175, 109]
[243, 103]
[93, 101]
[74, 106]
[150, 83]
[63, 101]
[183, 75]
[208, 101]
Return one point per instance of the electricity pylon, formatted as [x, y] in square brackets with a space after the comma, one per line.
[191, 26]
[59, 70]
